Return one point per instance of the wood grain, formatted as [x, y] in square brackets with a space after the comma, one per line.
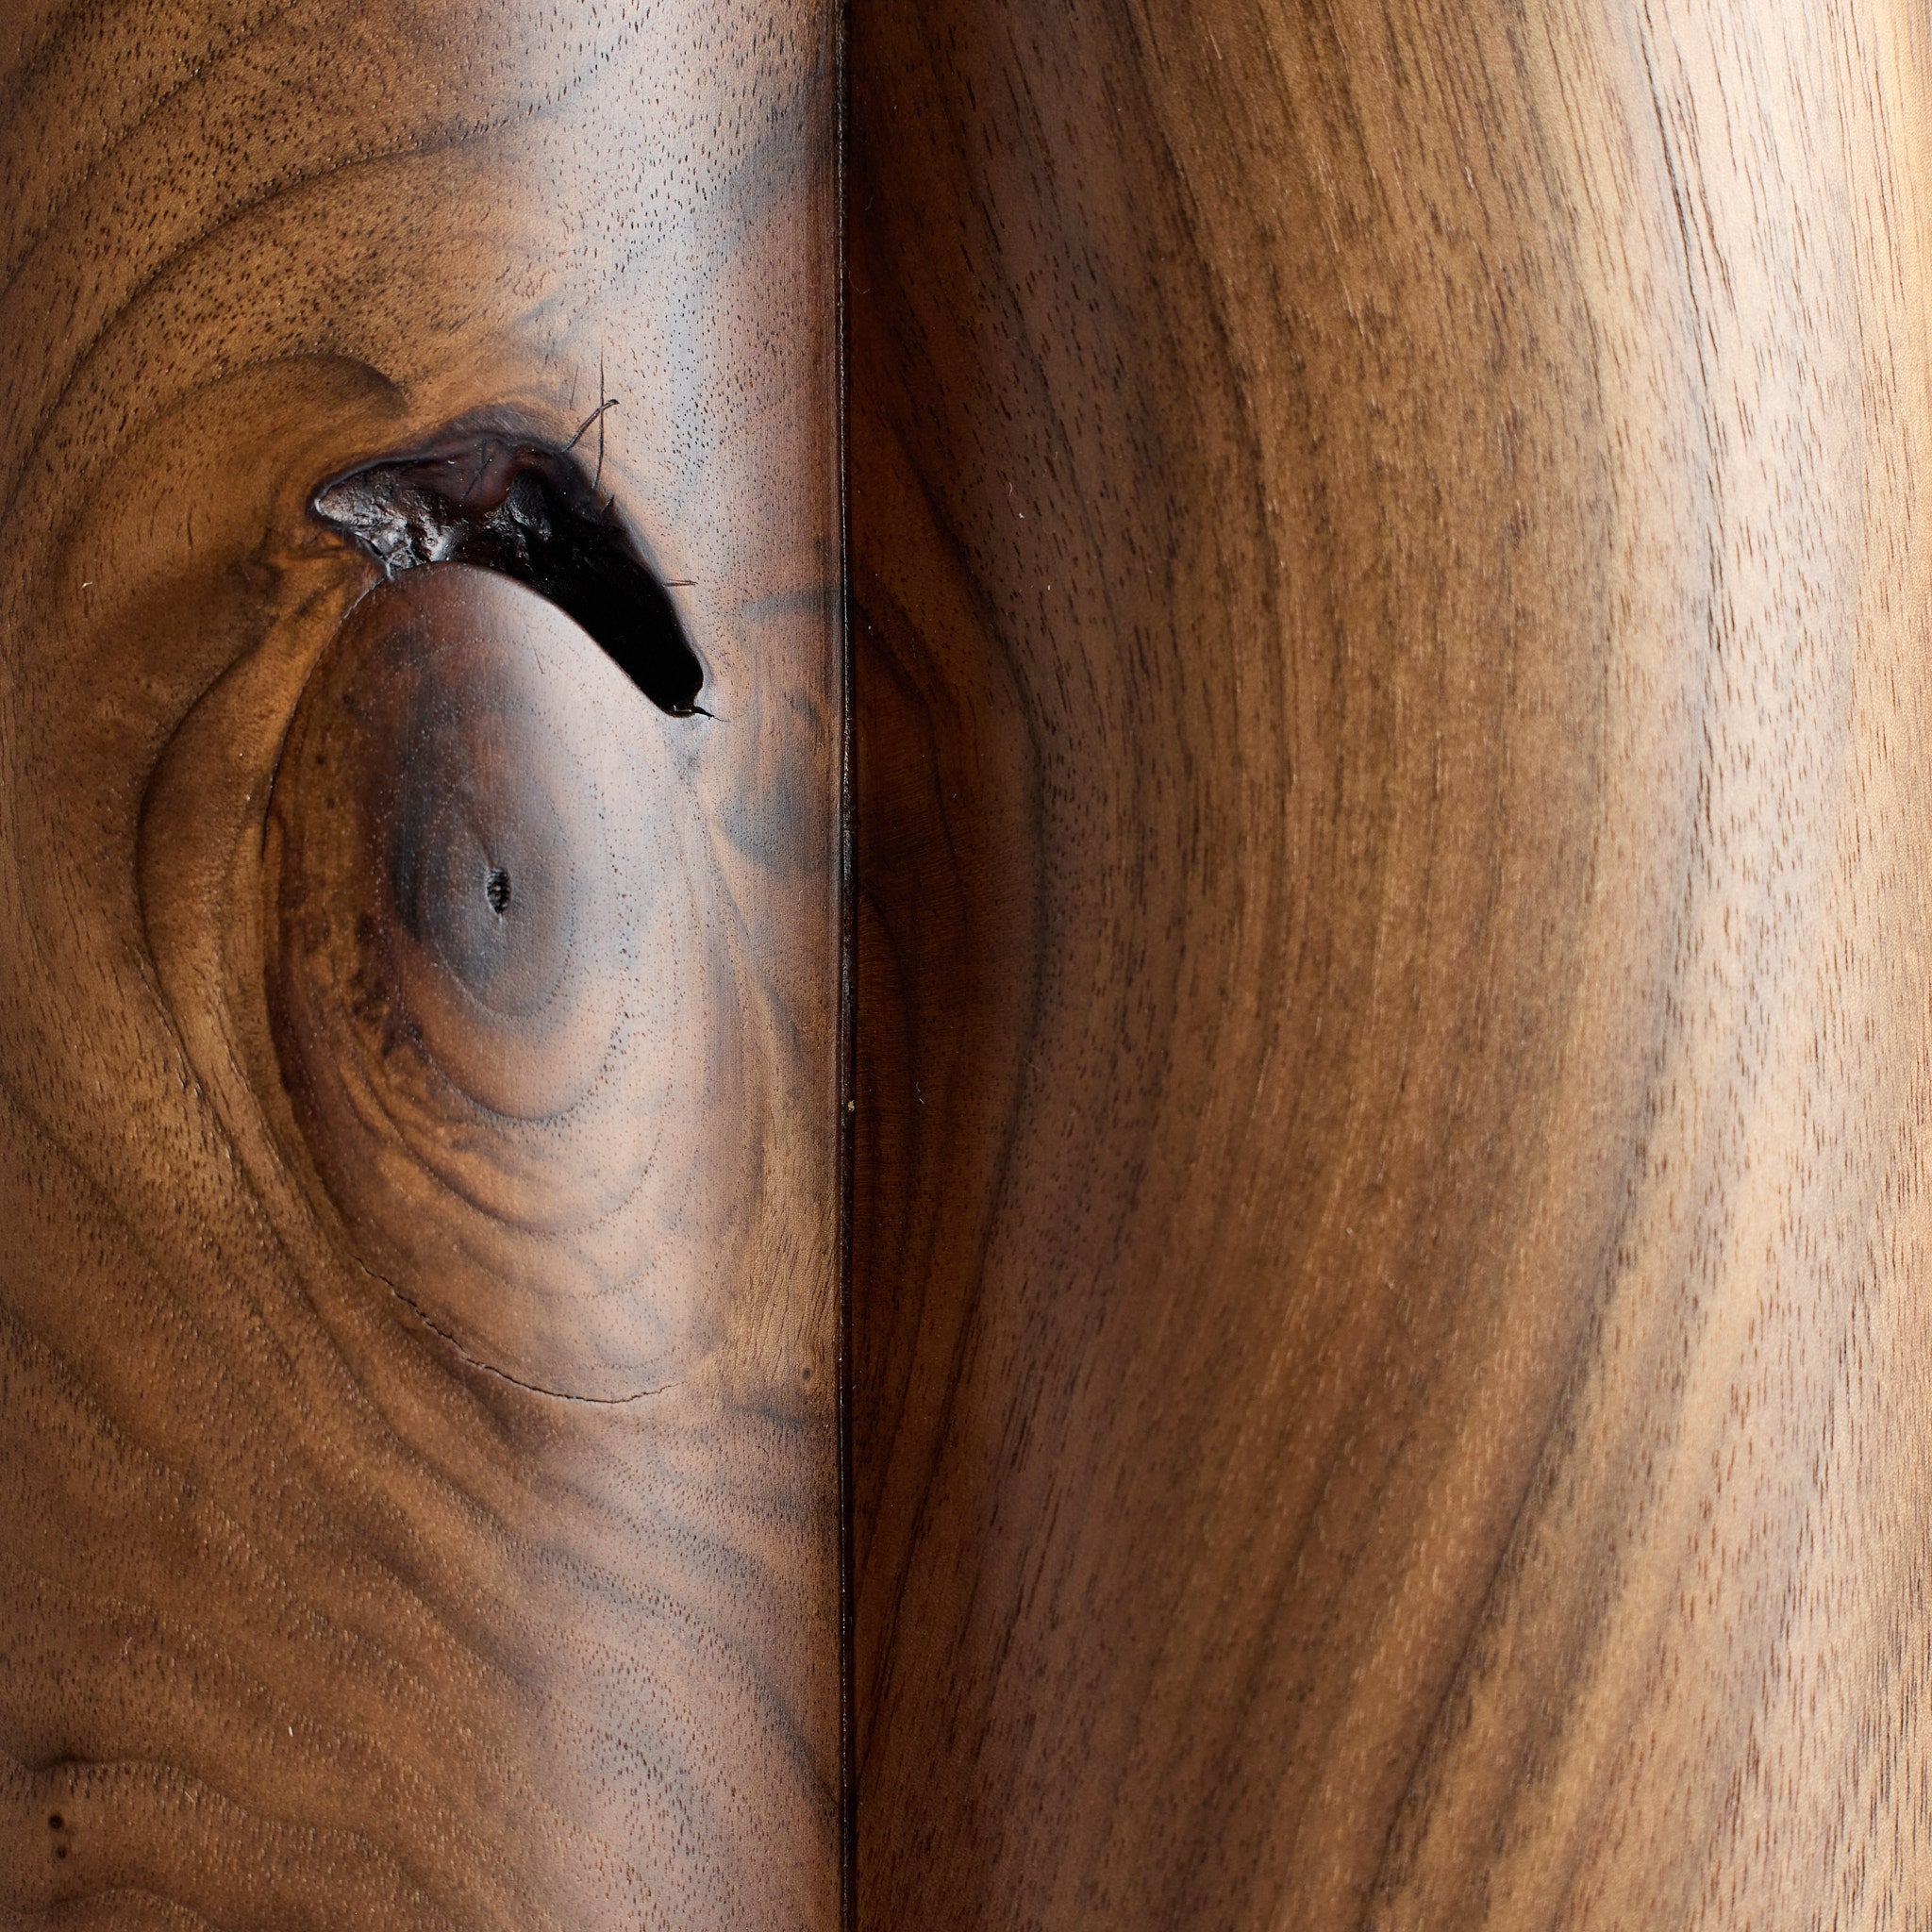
[1391, 677]
[418, 1061]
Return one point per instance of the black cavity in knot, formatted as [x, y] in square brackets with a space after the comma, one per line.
[524, 508]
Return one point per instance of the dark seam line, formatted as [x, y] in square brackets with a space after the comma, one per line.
[847, 1083]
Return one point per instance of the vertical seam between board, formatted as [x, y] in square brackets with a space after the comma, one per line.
[848, 946]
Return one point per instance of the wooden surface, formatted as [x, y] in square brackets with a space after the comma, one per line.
[1391, 673]
[1391, 654]
[417, 1447]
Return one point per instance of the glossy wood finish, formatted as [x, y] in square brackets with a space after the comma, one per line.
[1391, 676]
[418, 1062]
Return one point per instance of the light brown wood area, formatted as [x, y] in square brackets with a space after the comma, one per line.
[1391, 670]
[418, 1057]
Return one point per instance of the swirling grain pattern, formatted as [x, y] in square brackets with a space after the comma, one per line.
[418, 1064]
[1390, 630]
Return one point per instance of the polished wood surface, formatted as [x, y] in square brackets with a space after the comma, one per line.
[1391, 692]
[1392, 698]
[418, 1001]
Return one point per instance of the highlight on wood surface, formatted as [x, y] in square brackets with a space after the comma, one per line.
[418, 966]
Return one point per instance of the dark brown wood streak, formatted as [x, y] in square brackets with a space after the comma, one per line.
[418, 1057]
[1390, 623]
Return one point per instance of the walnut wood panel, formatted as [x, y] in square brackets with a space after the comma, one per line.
[1391, 674]
[418, 1036]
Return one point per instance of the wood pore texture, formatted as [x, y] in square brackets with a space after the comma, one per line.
[418, 1460]
[1391, 1338]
